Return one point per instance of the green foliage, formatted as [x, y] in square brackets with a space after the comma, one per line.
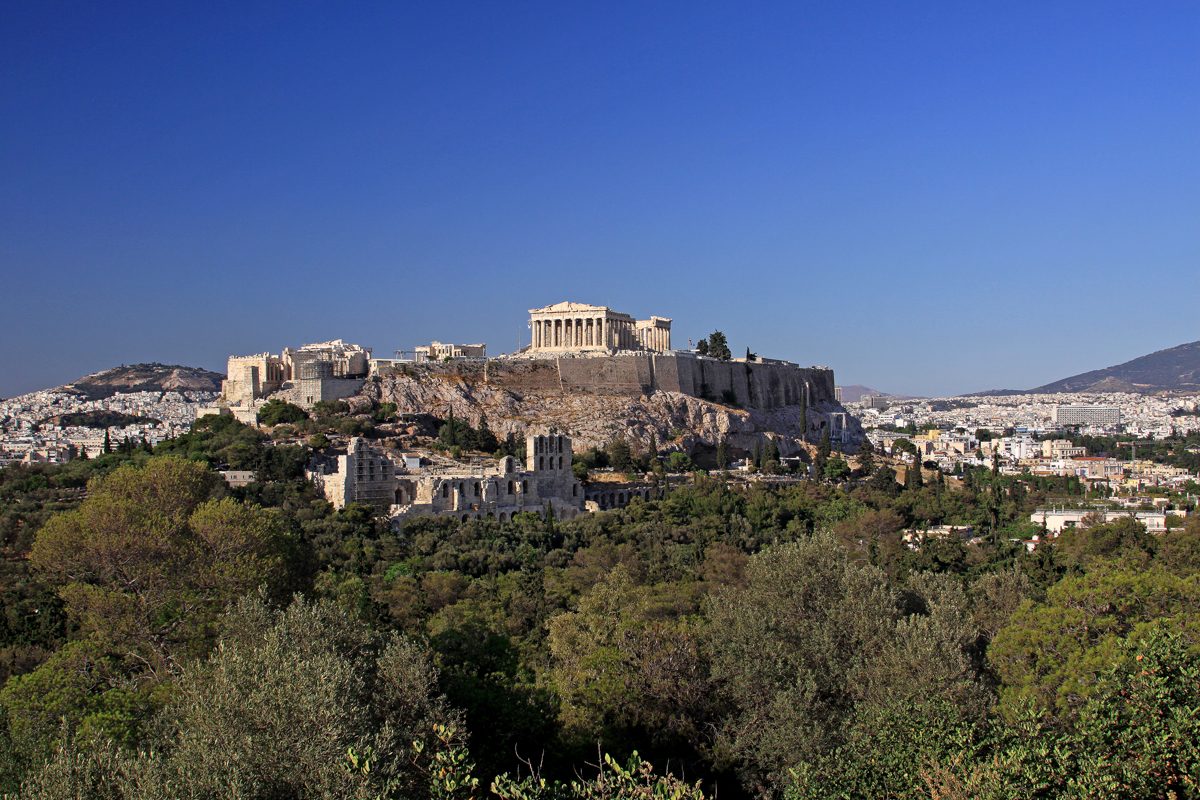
[300, 702]
[1050, 654]
[454, 433]
[722, 454]
[222, 441]
[709, 627]
[278, 412]
[717, 346]
[866, 458]
[102, 419]
[330, 408]
[592, 458]
[816, 641]
[619, 455]
[85, 688]
[837, 470]
[145, 565]
[385, 413]
[679, 462]
[1137, 735]
[634, 781]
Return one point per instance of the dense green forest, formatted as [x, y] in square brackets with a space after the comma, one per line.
[164, 635]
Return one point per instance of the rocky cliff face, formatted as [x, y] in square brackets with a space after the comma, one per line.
[678, 421]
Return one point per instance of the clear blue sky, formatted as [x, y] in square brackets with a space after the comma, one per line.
[931, 198]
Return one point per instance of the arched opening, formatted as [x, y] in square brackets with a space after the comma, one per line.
[477, 488]
[524, 487]
[445, 490]
[575, 491]
[541, 462]
[560, 462]
[466, 517]
[510, 487]
[621, 498]
[503, 517]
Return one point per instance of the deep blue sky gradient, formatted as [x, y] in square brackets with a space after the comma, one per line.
[931, 198]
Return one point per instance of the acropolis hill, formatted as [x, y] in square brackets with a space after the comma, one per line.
[590, 371]
[598, 373]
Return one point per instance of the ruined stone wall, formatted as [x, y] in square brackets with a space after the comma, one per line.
[754, 385]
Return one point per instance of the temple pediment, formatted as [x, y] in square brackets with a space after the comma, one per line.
[564, 308]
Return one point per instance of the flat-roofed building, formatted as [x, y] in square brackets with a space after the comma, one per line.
[1083, 414]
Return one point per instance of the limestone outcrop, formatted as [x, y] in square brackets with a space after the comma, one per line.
[678, 421]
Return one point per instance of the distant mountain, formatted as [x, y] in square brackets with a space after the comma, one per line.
[146, 378]
[852, 394]
[1174, 370]
[855, 393]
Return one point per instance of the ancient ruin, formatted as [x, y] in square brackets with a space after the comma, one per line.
[324, 371]
[403, 485]
[579, 327]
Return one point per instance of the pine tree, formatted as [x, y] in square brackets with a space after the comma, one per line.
[718, 347]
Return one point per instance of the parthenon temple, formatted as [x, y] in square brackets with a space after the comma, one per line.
[578, 326]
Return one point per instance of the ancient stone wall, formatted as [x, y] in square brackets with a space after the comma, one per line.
[749, 384]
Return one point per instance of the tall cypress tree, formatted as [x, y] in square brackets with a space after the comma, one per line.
[722, 454]
[866, 458]
[107, 442]
[823, 449]
[804, 413]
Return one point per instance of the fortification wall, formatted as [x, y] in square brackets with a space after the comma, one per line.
[754, 385]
